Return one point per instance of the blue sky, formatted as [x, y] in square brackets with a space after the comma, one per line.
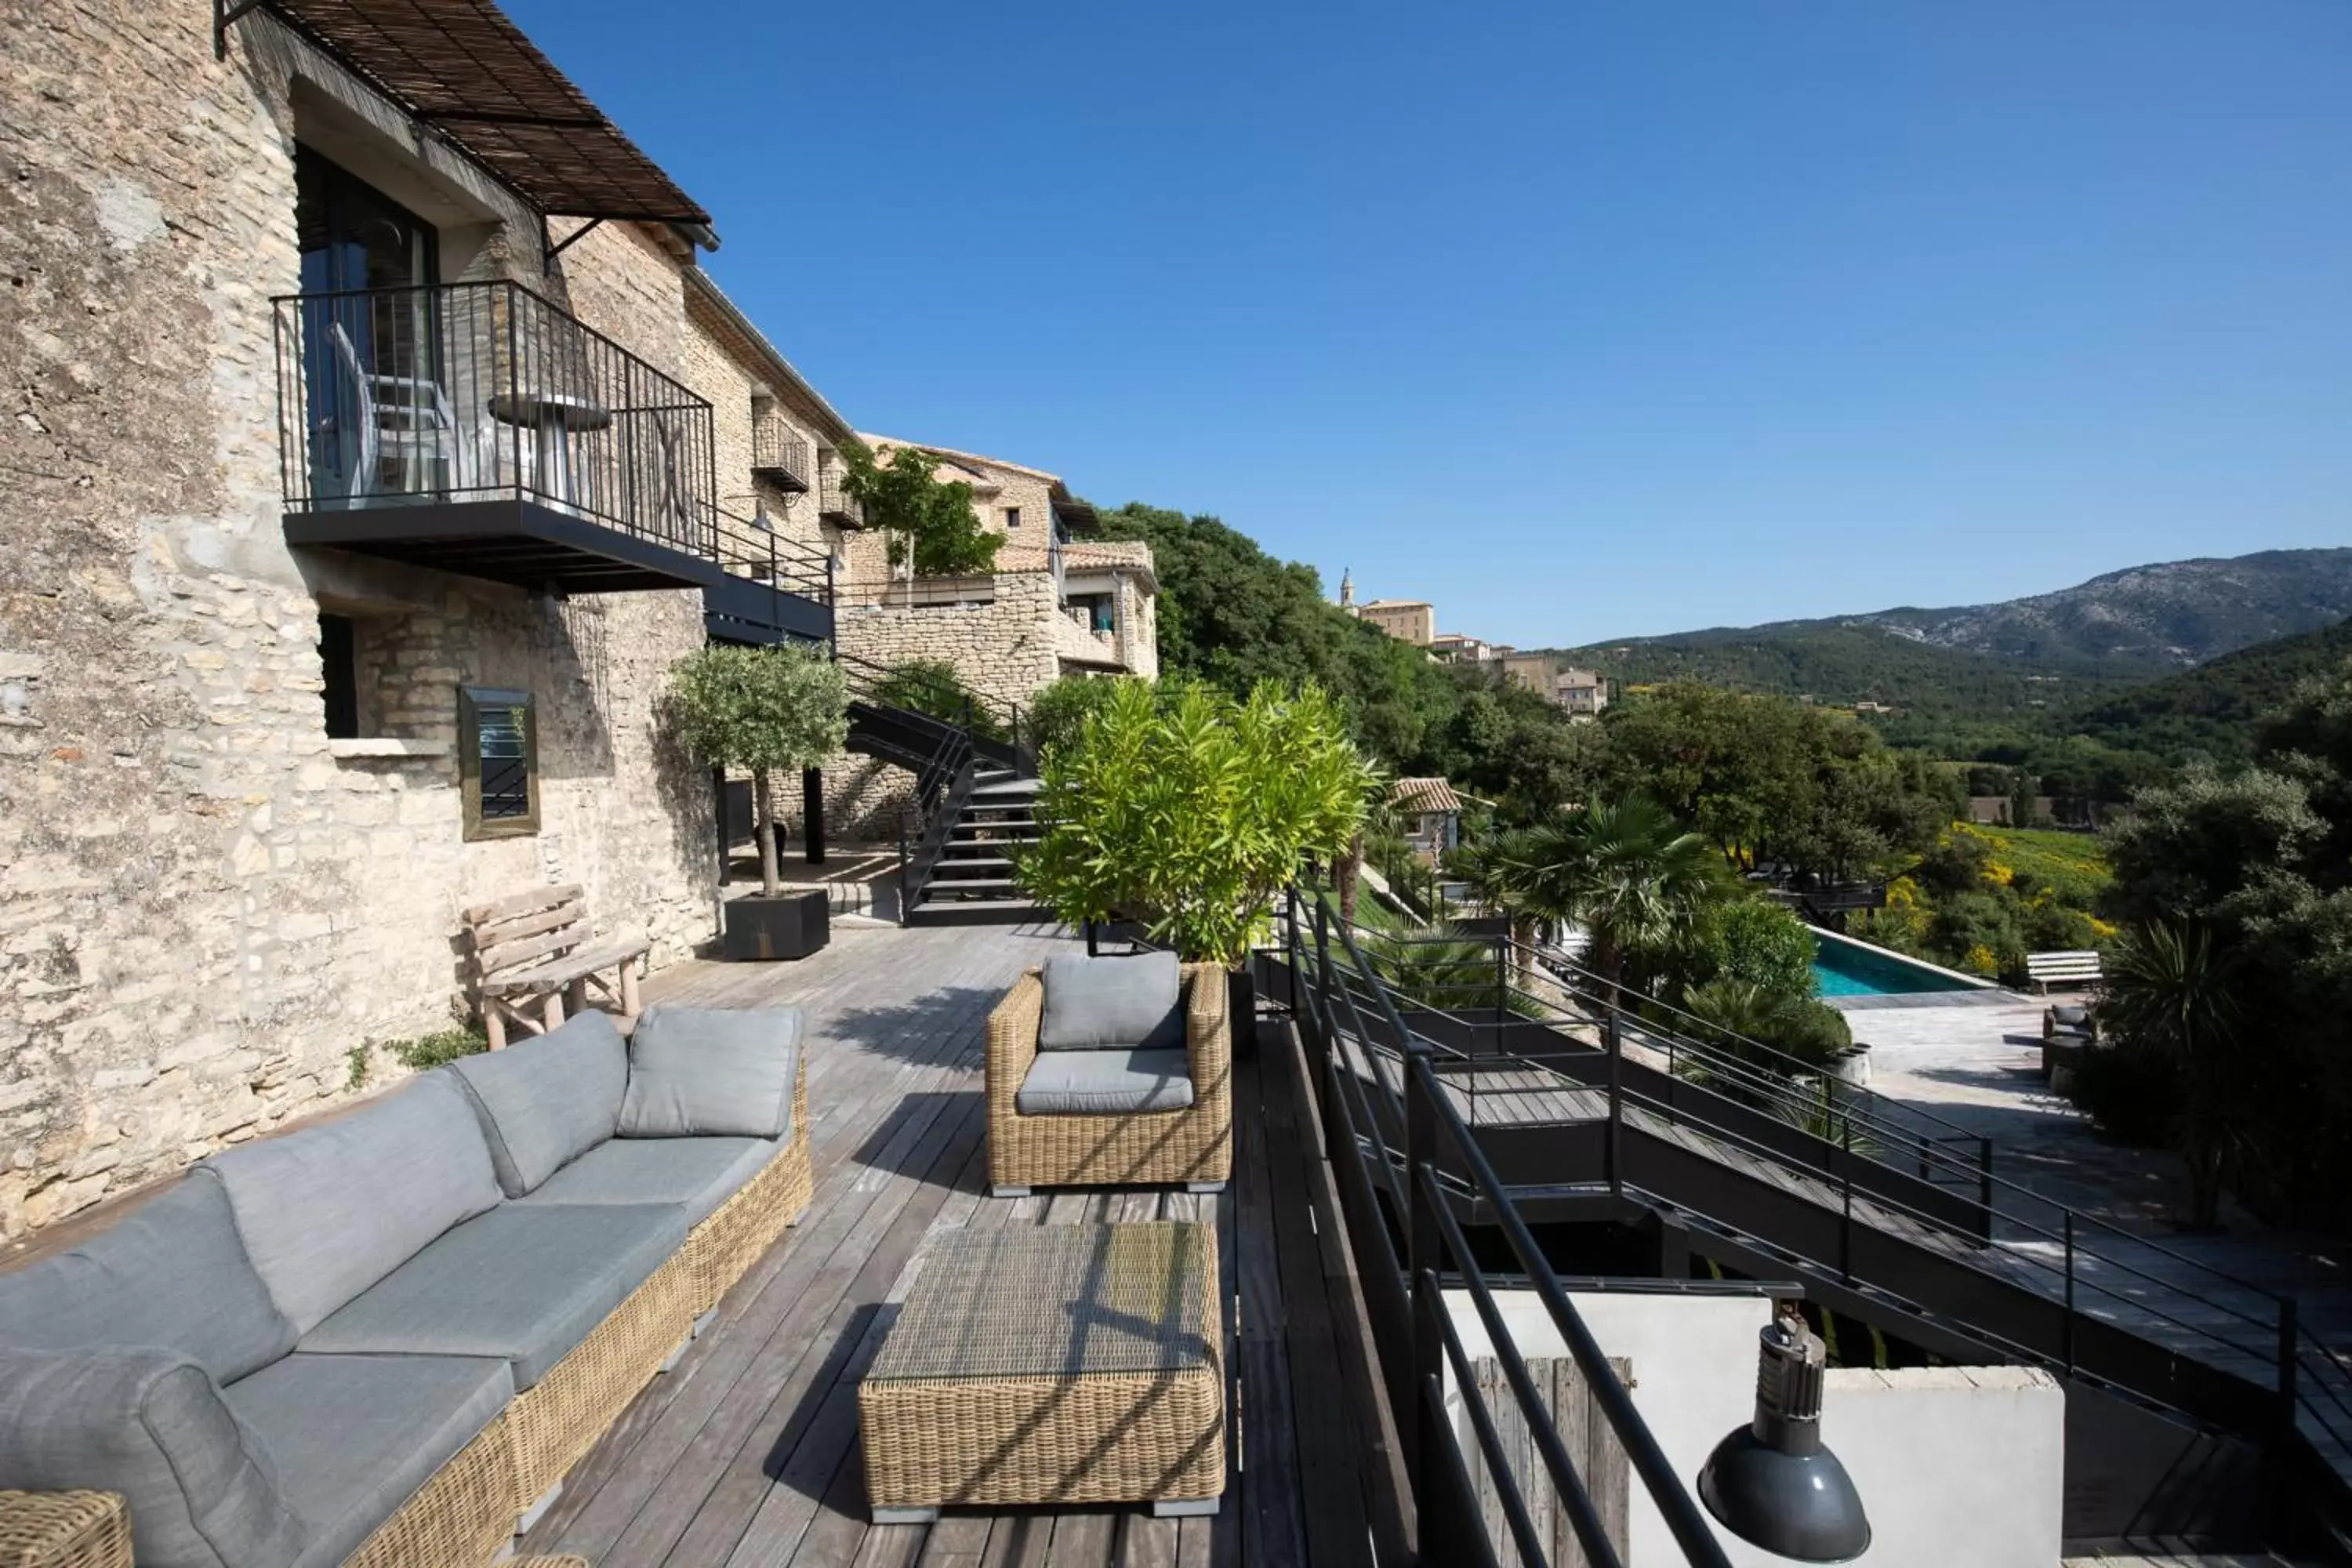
[1582, 320]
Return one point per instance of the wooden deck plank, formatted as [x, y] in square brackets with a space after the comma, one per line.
[748, 1453]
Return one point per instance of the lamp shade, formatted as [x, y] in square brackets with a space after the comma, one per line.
[1772, 1482]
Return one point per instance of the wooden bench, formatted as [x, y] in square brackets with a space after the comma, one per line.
[535, 952]
[2048, 969]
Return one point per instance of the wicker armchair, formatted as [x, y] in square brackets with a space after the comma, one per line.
[1192, 1146]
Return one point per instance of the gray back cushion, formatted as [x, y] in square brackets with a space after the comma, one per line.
[699, 1072]
[327, 1212]
[544, 1102]
[1096, 1003]
[170, 1273]
[149, 1423]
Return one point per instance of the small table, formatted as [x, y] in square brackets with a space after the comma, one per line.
[552, 416]
[1052, 1364]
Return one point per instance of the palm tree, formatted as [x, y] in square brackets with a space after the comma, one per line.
[2169, 993]
[1626, 871]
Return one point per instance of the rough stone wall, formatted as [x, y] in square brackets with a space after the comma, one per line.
[1005, 651]
[204, 902]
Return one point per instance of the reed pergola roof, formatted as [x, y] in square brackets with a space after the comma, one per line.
[463, 68]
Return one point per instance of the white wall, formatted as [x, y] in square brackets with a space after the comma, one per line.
[1958, 1468]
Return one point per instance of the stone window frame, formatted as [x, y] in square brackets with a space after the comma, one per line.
[1012, 517]
[471, 700]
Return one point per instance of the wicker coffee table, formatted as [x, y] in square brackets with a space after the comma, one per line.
[1052, 1364]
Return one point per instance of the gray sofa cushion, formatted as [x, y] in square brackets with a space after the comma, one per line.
[356, 1435]
[1095, 1004]
[152, 1425]
[524, 1283]
[702, 1072]
[546, 1102]
[327, 1212]
[170, 1273]
[697, 1174]
[1103, 1083]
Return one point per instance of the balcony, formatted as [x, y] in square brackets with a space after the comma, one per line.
[835, 505]
[779, 456]
[480, 429]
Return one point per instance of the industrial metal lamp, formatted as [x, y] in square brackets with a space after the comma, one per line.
[1771, 1483]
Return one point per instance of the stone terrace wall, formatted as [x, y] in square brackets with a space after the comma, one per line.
[203, 906]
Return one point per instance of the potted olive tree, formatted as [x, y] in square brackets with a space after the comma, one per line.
[1186, 811]
[762, 710]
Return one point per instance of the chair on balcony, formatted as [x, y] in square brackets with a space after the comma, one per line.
[406, 418]
[1110, 1072]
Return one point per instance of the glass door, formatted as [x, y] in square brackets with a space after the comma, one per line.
[379, 422]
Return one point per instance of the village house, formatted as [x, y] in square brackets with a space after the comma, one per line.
[364, 486]
[1060, 601]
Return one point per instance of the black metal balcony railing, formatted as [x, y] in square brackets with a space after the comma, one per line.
[779, 456]
[836, 504]
[478, 391]
[392, 398]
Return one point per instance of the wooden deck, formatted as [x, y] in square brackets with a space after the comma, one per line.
[747, 1453]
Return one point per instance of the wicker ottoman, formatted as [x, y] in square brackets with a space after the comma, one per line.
[1050, 1364]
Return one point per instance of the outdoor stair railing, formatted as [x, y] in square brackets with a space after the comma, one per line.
[2083, 1298]
[938, 753]
[1333, 987]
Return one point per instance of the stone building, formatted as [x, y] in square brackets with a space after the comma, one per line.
[1582, 693]
[1407, 620]
[1058, 603]
[360, 500]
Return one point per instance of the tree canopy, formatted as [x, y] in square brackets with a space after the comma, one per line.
[928, 520]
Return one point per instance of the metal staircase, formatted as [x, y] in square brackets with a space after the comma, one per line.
[971, 806]
[1594, 1104]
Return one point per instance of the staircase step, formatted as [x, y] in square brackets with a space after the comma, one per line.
[967, 829]
[969, 887]
[1007, 786]
[975, 912]
[965, 867]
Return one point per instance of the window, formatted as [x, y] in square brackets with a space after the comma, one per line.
[497, 761]
[1012, 517]
[339, 654]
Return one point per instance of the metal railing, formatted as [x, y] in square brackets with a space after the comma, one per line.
[466, 392]
[779, 455]
[1001, 731]
[835, 504]
[752, 548]
[1337, 996]
[2093, 1301]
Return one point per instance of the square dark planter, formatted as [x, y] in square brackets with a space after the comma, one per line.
[794, 925]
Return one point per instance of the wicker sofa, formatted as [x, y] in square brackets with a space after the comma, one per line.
[1104, 1105]
[383, 1338]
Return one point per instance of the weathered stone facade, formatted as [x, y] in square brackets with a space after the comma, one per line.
[205, 903]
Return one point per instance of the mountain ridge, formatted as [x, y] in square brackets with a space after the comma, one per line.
[2060, 648]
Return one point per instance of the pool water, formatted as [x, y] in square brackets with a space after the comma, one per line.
[1848, 969]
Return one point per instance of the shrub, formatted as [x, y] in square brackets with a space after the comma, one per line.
[1189, 811]
[1059, 712]
[932, 686]
[1754, 940]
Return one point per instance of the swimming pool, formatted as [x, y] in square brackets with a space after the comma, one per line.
[1844, 967]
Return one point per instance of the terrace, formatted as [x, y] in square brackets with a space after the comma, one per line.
[748, 1452]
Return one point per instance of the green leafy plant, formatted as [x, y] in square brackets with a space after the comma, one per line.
[1188, 811]
[761, 709]
[1625, 871]
[932, 686]
[930, 522]
[1751, 940]
[2170, 998]
[355, 1066]
[1059, 712]
[1732, 1014]
[437, 1050]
